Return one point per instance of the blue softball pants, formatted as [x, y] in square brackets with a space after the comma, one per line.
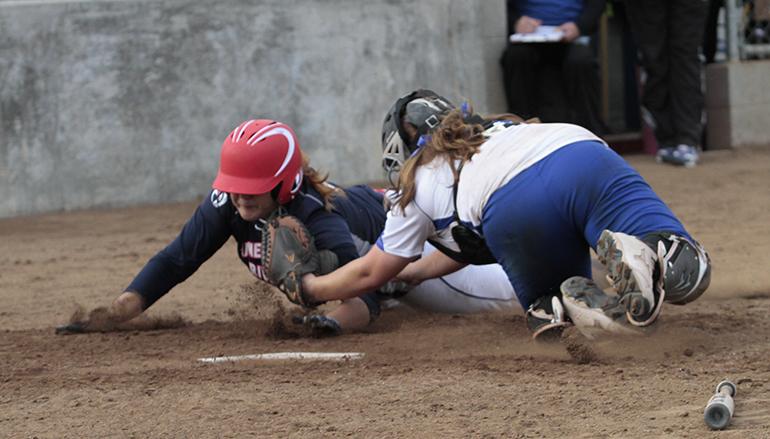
[542, 223]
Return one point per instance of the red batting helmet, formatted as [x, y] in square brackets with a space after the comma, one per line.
[258, 156]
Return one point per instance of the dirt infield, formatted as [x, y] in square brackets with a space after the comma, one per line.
[422, 375]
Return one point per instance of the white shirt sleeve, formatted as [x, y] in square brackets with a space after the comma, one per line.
[405, 232]
[429, 215]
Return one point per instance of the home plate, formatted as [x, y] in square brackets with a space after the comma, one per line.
[299, 356]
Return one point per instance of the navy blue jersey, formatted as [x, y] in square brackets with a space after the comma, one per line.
[357, 215]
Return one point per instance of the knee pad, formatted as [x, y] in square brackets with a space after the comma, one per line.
[687, 265]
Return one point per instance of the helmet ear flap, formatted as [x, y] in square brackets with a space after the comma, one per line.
[297, 183]
[275, 192]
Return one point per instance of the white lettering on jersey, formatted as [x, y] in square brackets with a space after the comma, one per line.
[258, 271]
[251, 250]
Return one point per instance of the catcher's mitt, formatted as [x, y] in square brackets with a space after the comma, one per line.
[288, 253]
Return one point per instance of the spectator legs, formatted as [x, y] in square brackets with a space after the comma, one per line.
[580, 73]
[521, 77]
[668, 34]
[686, 25]
[555, 82]
[649, 24]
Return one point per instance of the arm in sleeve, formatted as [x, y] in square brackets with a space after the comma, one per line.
[588, 20]
[205, 233]
[406, 231]
[357, 277]
[331, 232]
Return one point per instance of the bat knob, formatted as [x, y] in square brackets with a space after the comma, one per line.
[717, 416]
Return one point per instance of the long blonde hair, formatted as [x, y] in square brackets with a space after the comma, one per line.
[454, 139]
[319, 183]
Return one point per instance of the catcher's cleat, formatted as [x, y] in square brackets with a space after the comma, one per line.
[546, 319]
[593, 311]
[631, 264]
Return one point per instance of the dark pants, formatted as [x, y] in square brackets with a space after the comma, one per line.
[710, 30]
[668, 34]
[555, 82]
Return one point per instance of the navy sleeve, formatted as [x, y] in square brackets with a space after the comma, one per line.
[205, 233]
[362, 208]
[358, 212]
[331, 232]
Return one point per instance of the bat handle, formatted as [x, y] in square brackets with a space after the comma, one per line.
[720, 408]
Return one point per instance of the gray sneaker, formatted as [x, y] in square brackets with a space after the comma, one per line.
[680, 155]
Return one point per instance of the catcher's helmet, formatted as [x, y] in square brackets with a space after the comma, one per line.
[421, 108]
[257, 157]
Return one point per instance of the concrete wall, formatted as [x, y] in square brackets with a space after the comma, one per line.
[120, 102]
[738, 104]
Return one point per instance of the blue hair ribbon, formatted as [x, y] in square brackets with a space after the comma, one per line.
[465, 108]
[422, 141]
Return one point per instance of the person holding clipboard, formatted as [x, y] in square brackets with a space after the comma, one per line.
[550, 70]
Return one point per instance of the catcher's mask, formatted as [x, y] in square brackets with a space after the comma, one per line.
[261, 156]
[422, 108]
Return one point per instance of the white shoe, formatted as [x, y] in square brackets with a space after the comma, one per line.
[680, 155]
[592, 311]
[631, 265]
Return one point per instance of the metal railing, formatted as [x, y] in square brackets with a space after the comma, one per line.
[747, 29]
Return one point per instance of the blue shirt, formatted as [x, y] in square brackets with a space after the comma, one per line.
[552, 12]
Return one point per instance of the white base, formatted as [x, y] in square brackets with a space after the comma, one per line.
[311, 356]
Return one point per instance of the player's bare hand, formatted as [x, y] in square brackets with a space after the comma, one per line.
[103, 319]
[570, 30]
[98, 320]
[527, 25]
